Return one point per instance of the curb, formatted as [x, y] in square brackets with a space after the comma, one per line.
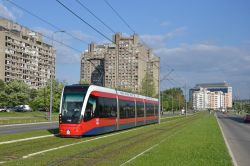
[23, 124]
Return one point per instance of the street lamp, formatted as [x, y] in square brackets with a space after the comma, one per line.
[51, 80]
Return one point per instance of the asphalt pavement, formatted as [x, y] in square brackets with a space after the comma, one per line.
[237, 134]
[11, 129]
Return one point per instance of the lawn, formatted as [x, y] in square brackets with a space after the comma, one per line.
[25, 117]
[200, 143]
[192, 140]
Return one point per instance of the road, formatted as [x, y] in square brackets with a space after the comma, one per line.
[237, 134]
[11, 129]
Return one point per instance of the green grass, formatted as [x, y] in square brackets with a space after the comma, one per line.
[198, 144]
[10, 137]
[193, 140]
[25, 117]
[22, 114]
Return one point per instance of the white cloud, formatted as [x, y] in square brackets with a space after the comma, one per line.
[16, 12]
[199, 63]
[158, 41]
[6, 13]
[10, 13]
[64, 54]
[165, 23]
[83, 36]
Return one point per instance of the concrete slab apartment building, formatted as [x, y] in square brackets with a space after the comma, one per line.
[24, 56]
[122, 64]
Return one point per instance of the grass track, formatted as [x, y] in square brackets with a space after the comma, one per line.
[201, 143]
[17, 150]
[117, 149]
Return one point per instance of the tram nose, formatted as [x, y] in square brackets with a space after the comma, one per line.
[70, 130]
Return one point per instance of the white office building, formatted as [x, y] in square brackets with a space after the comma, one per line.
[201, 99]
[213, 95]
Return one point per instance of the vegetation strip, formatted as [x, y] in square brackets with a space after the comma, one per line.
[16, 151]
[195, 140]
[64, 146]
[26, 139]
[50, 135]
[123, 143]
[169, 117]
[145, 151]
[152, 147]
[23, 124]
[226, 142]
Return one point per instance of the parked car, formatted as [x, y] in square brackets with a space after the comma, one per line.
[247, 118]
[43, 109]
[9, 109]
[2, 109]
[22, 108]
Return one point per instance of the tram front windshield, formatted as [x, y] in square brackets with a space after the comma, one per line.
[72, 105]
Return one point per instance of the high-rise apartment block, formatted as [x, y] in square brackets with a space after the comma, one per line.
[122, 64]
[24, 56]
[213, 96]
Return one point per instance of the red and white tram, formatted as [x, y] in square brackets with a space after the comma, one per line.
[91, 110]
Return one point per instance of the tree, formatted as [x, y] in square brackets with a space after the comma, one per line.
[172, 99]
[3, 95]
[42, 99]
[247, 108]
[2, 85]
[18, 93]
[148, 86]
[84, 82]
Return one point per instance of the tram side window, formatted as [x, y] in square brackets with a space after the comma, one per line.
[90, 111]
[127, 109]
[149, 109]
[106, 107]
[156, 109]
[140, 109]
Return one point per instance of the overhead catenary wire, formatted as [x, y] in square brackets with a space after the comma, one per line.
[71, 11]
[123, 20]
[76, 15]
[92, 13]
[45, 21]
[61, 43]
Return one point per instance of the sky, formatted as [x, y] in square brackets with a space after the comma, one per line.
[200, 41]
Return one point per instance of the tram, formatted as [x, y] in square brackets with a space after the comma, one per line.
[93, 110]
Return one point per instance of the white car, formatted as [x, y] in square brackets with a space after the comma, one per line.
[2, 109]
[21, 108]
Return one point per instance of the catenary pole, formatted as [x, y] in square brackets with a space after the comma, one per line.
[51, 79]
